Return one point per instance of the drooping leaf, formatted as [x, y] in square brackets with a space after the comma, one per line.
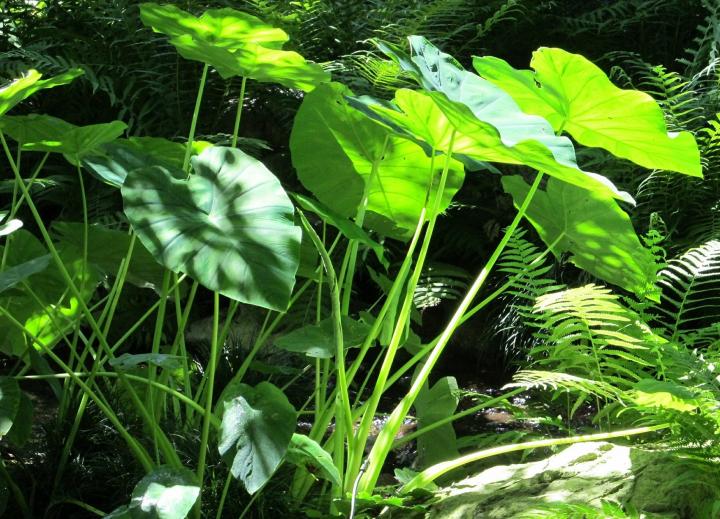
[15, 274]
[317, 340]
[76, 142]
[165, 493]
[257, 426]
[111, 162]
[434, 404]
[22, 88]
[592, 227]
[577, 97]
[229, 226]
[128, 361]
[304, 452]
[664, 394]
[22, 425]
[235, 43]
[329, 135]
[10, 397]
[107, 248]
[444, 125]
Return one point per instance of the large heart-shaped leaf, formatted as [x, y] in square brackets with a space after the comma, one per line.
[257, 426]
[329, 135]
[577, 97]
[22, 88]
[235, 44]
[229, 226]
[34, 127]
[111, 162]
[10, 397]
[432, 118]
[594, 229]
[225, 28]
[165, 493]
[74, 142]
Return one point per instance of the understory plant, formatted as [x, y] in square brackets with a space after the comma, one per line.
[213, 221]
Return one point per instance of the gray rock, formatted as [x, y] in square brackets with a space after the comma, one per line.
[656, 483]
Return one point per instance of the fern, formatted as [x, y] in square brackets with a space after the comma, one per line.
[691, 291]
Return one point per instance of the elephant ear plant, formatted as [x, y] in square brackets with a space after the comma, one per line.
[203, 217]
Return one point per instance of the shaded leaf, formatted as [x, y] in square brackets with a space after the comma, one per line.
[256, 429]
[433, 404]
[318, 340]
[22, 425]
[229, 226]
[128, 361]
[304, 451]
[10, 397]
[14, 275]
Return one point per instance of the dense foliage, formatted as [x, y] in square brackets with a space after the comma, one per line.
[252, 251]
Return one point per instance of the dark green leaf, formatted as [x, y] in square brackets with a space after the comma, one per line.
[304, 451]
[14, 275]
[434, 404]
[10, 397]
[317, 340]
[22, 426]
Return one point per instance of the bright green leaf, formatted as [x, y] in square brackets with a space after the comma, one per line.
[577, 97]
[664, 394]
[79, 141]
[22, 88]
[594, 229]
[229, 226]
[330, 136]
[34, 127]
[257, 426]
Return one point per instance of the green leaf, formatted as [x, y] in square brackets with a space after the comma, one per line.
[577, 97]
[318, 340]
[165, 493]
[345, 226]
[431, 118]
[107, 248]
[594, 229]
[235, 43]
[78, 141]
[34, 127]
[256, 429]
[22, 88]
[50, 306]
[126, 361]
[10, 397]
[225, 28]
[229, 226]
[664, 394]
[14, 275]
[304, 451]
[22, 425]
[329, 135]
[111, 162]
[10, 226]
[434, 404]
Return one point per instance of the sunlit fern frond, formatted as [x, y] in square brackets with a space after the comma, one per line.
[558, 381]
[440, 282]
[690, 291]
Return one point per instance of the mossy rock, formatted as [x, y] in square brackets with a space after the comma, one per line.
[659, 484]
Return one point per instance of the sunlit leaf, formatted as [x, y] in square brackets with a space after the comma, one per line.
[229, 226]
[592, 227]
[257, 426]
[577, 97]
[77, 141]
[664, 394]
[330, 136]
[10, 226]
[165, 493]
[22, 88]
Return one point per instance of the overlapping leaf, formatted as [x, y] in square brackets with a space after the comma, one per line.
[329, 136]
[22, 88]
[592, 227]
[577, 97]
[229, 226]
